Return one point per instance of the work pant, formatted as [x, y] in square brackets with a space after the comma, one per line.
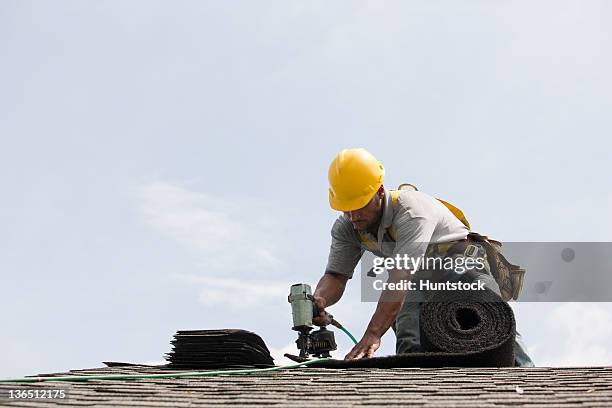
[407, 327]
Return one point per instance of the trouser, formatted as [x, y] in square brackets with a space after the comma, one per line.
[407, 326]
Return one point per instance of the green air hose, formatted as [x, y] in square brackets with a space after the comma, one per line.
[141, 376]
[348, 333]
[80, 378]
[337, 324]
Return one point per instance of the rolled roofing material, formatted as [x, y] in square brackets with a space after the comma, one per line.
[210, 349]
[458, 329]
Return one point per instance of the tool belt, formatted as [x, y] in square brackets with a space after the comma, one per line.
[508, 276]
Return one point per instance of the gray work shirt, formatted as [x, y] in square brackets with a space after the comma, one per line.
[416, 220]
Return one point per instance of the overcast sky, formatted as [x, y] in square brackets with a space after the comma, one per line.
[163, 164]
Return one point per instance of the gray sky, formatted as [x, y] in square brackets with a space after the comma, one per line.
[163, 164]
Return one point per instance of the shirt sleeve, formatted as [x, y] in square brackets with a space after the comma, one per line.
[344, 252]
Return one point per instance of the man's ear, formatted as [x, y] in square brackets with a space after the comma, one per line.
[381, 191]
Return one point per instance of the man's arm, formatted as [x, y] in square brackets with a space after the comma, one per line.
[344, 255]
[328, 292]
[389, 305]
[415, 225]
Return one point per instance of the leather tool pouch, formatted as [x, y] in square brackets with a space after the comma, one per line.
[508, 276]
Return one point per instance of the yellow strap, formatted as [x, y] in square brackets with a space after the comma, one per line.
[394, 197]
[456, 212]
[367, 241]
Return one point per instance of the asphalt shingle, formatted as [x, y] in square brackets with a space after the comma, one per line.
[308, 387]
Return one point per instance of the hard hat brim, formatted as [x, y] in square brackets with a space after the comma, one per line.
[351, 205]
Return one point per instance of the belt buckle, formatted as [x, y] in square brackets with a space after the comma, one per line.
[471, 251]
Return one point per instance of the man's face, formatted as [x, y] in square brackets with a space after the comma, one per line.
[368, 216]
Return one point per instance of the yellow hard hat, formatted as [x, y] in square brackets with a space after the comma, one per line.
[354, 177]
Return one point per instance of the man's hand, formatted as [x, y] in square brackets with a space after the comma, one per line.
[329, 290]
[366, 347]
[321, 319]
[388, 307]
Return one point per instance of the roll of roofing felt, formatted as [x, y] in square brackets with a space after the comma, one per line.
[458, 329]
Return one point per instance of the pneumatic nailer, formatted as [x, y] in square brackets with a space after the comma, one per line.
[318, 343]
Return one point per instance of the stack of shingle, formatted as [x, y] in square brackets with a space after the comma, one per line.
[211, 349]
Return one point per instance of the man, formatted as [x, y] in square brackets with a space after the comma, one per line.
[388, 224]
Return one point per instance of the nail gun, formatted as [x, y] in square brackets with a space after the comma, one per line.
[318, 343]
